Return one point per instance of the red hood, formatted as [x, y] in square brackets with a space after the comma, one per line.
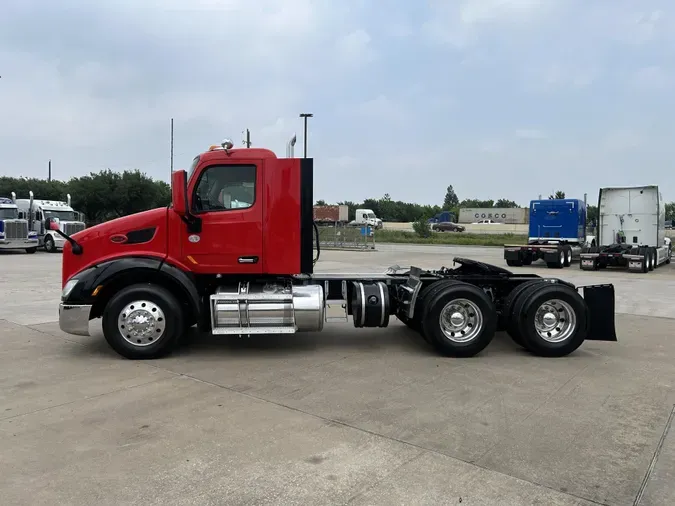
[97, 246]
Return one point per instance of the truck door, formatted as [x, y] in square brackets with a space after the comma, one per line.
[227, 198]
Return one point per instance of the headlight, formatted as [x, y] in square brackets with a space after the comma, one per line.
[68, 288]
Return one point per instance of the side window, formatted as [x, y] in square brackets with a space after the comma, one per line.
[225, 187]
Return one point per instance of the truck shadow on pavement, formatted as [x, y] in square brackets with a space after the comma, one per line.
[396, 339]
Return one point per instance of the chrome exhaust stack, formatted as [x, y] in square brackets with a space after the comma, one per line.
[290, 146]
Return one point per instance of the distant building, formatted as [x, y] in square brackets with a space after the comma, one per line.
[507, 215]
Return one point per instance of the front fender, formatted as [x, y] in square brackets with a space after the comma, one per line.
[98, 283]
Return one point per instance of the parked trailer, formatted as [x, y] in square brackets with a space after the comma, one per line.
[557, 234]
[631, 230]
[248, 271]
[331, 214]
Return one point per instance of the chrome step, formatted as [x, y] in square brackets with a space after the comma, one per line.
[336, 309]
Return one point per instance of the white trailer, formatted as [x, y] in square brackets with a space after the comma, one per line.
[631, 230]
[38, 211]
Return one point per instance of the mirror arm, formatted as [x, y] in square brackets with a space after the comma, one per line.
[194, 223]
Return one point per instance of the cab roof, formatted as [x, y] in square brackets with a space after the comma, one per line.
[218, 153]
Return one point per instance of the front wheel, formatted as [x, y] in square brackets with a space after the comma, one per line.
[143, 321]
[50, 246]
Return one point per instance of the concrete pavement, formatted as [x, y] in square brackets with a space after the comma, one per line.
[345, 416]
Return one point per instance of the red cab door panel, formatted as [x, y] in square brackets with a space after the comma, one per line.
[228, 200]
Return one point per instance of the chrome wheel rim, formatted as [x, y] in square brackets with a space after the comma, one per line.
[562, 258]
[569, 256]
[461, 320]
[141, 323]
[555, 321]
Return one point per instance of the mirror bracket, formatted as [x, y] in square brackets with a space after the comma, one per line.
[194, 223]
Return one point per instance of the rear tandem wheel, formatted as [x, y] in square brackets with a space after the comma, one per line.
[459, 319]
[549, 319]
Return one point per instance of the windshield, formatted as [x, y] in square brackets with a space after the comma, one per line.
[192, 168]
[371, 215]
[61, 215]
[8, 214]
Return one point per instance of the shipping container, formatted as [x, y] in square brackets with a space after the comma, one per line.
[508, 215]
[331, 214]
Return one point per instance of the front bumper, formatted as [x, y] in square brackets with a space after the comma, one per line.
[74, 319]
[19, 243]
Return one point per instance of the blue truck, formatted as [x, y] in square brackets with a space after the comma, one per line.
[442, 217]
[557, 234]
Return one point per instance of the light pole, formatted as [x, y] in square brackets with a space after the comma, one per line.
[306, 115]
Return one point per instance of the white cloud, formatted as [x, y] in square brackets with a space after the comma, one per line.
[529, 133]
[448, 92]
[652, 78]
[354, 48]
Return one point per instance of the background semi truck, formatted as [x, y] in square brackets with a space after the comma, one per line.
[14, 232]
[557, 234]
[366, 217]
[631, 230]
[251, 270]
[37, 211]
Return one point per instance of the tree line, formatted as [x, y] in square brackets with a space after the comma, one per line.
[406, 212]
[107, 194]
[101, 196]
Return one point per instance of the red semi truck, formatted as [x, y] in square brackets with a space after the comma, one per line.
[234, 255]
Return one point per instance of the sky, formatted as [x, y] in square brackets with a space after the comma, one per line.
[499, 98]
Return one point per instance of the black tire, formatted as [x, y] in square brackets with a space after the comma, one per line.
[653, 255]
[477, 308]
[535, 298]
[49, 245]
[644, 252]
[425, 295]
[514, 263]
[527, 261]
[559, 263]
[568, 256]
[507, 320]
[30, 251]
[165, 304]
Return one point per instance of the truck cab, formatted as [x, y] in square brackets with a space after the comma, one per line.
[14, 233]
[37, 212]
[557, 220]
[366, 217]
[631, 230]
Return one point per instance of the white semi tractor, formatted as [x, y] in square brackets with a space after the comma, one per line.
[631, 230]
[37, 211]
[14, 232]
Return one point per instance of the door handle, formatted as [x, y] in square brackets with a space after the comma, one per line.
[248, 260]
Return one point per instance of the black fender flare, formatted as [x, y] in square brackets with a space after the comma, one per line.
[120, 271]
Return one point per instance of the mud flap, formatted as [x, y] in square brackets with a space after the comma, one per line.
[600, 301]
[512, 254]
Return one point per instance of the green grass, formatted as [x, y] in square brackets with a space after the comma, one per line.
[459, 238]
